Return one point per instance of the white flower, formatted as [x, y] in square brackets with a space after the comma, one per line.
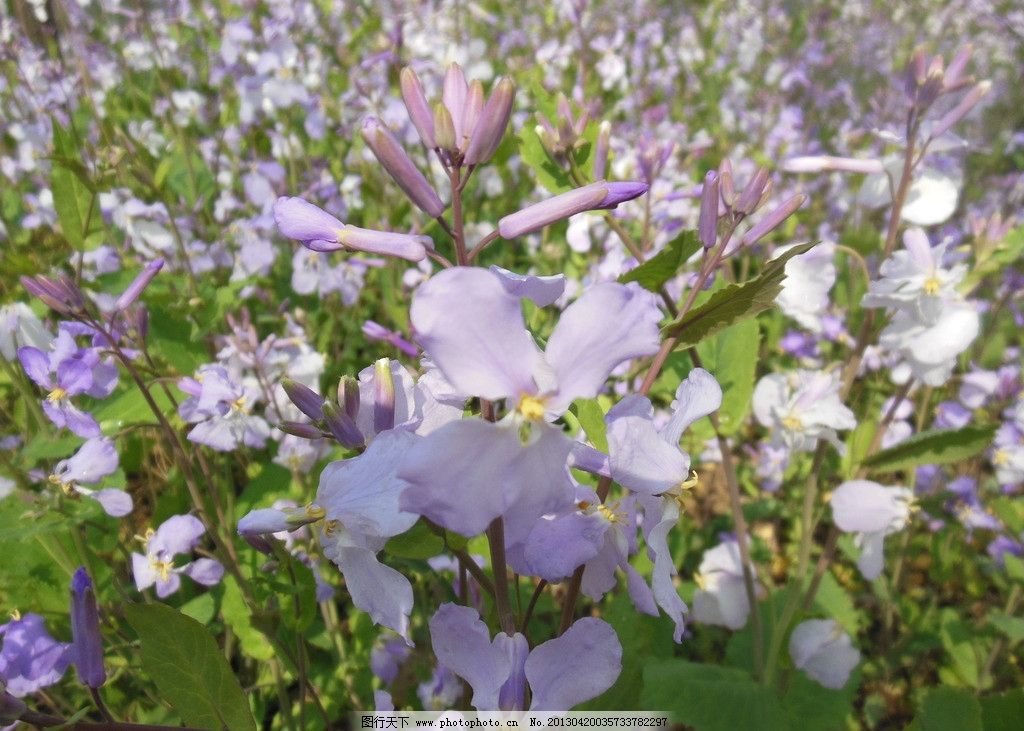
[809, 277]
[801, 407]
[721, 597]
[19, 327]
[824, 651]
[872, 512]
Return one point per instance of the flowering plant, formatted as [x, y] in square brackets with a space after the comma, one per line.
[675, 369]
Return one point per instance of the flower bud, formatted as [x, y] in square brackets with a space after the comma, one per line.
[539, 215]
[87, 643]
[961, 110]
[444, 128]
[750, 198]
[308, 401]
[300, 430]
[348, 395]
[342, 427]
[725, 184]
[621, 192]
[773, 219]
[491, 125]
[417, 106]
[392, 156]
[953, 76]
[453, 94]
[11, 708]
[827, 163]
[707, 224]
[275, 520]
[134, 290]
[470, 115]
[383, 396]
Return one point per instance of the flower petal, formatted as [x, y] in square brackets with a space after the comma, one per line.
[582, 663]
[303, 221]
[462, 643]
[473, 331]
[542, 291]
[609, 324]
[378, 590]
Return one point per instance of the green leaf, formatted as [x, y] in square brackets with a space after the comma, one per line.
[1014, 567]
[1012, 627]
[591, 417]
[419, 542]
[950, 709]
[709, 697]
[933, 447]
[1003, 712]
[548, 173]
[1008, 251]
[76, 206]
[236, 615]
[959, 640]
[857, 444]
[664, 265]
[189, 669]
[812, 707]
[732, 356]
[733, 303]
[201, 608]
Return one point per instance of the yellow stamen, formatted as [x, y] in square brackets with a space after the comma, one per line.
[331, 526]
[531, 407]
[700, 581]
[1000, 457]
[792, 423]
[162, 568]
[15, 615]
[932, 285]
[66, 487]
[316, 512]
[238, 404]
[56, 395]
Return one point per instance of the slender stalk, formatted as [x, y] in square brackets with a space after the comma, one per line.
[496, 539]
[537, 591]
[1012, 602]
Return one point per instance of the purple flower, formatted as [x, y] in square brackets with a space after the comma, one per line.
[376, 331]
[386, 659]
[93, 461]
[87, 642]
[30, 658]
[442, 690]
[178, 535]
[221, 410]
[320, 231]
[66, 372]
[561, 673]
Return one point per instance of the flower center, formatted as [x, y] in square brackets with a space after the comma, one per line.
[700, 581]
[57, 394]
[65, 487]
[239, 404]
[1000, 457]
[932, 285]
[793, 423]
[531, 407]
[162, 568]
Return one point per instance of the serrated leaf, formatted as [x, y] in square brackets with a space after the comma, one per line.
[950, 709]
[664, 265]
[188, 668]
[932, 447]
[709, 697]
[733, 303]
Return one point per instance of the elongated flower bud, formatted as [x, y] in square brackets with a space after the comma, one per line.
[453, 94]
[955, 70]
[773, 219]
[621, 192]
[444, 128]
[11, 708]
[827, 163]
[725, 184]
[308, 401]
[348, 395]
[539, 215]
[419, 109]
[490, 127]
[405, 246]
[276, 520]
[300, 430]
[87, 643]
[383, 396]
[474, 105]
[392, 156]
[342, 426]
[751, 196]
[961, 110]
[604, 136]
[134, 290]
[707, 224]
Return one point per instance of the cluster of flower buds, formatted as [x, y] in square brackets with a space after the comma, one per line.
[927, 79]
[566, 134]
[463, 128]
[338, 420]
[720, 200]
[61, 295]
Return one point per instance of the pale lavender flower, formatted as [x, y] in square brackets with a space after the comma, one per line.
[824, 651]
[93, 461]
[178, 535]
[30, 658]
